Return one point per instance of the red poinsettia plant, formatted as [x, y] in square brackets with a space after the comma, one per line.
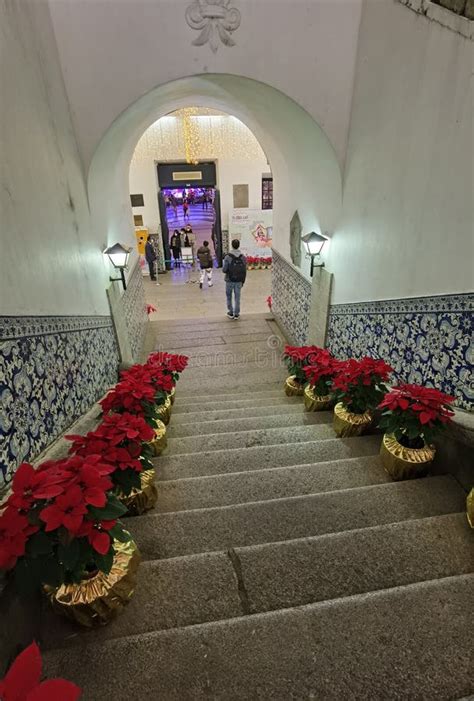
[150, 309]
[360, 384]
[297, 358]
[60, 522]
[137, 393]
[170, 365]
[415, 414]
[320, 374]
[123, 443]
[23, 682]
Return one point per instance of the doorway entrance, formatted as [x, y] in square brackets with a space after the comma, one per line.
[189, 200]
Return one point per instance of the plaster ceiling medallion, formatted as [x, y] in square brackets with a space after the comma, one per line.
[215, 20]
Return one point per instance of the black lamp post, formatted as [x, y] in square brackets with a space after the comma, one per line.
[118, 256]
[313, 245]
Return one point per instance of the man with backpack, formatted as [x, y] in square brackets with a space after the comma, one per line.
[235, 269]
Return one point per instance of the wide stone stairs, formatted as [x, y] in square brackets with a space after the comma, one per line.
[280, 561]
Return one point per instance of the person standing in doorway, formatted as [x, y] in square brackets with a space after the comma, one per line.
[205, 200]
[235, 269]
[150, 257]
[174, 204]
[205, 260]
[185, 210]
[191, 238]
[175, 245]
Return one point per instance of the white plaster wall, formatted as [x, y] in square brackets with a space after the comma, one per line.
[240, 173]
[407, 223]
[50, 263]
[113, 53]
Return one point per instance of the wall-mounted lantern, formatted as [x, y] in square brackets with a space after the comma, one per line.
[313, 245]
[118, 256]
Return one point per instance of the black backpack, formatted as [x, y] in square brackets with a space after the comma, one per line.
[237, 269]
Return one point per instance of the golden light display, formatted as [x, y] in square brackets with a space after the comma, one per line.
[195, 134]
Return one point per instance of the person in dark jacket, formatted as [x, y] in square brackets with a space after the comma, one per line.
[235, 269]
[175, 245]
[150, 257]
[205, 260]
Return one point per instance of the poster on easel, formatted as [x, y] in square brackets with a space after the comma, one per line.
[254, 229]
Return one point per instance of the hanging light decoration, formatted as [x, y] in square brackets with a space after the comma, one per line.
[196, 134]
[190, 133]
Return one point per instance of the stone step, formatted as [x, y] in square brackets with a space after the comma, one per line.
[246, 401]
[273, 483]
[212, 322]
[217, 462]
[210, 414]
[184, 591]
[216, 382]
[192, 445]
[188, 342]
[219, 528]
[199, 428]
[206, 369]
[167, 338]
[409, 642]
[204, 398]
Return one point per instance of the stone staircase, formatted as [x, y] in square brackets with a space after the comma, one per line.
[280, 562]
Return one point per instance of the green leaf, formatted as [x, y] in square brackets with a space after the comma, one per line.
[69, 554]
[51, 571]
[112, 510]
[39, 544]
[120, 534]
[27, 579]
[104, 562]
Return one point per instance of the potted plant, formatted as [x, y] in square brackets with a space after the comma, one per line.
[319, 375]
[23, 682]
[124, 441]
[139, 392]
[412, 416]
[358, 388]
[59, 531]
[171, 364]
[296, 359]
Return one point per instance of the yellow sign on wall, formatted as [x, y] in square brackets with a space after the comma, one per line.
[142, 235]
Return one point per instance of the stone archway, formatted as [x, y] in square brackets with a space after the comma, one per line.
[305, 169]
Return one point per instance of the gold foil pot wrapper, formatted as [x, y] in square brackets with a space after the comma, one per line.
[347, 424]
[293, 388]
[172, 395]
[160, 441]
[470, 508]
[143, 499]
[163, 411]
[403, 463]
[97, 600]
[314, 402]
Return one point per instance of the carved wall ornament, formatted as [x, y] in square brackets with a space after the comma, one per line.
[295, 239]
[215, 20]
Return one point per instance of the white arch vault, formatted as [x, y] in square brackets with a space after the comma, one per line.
[305, 169]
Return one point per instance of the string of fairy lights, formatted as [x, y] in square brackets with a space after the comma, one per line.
[197, 133]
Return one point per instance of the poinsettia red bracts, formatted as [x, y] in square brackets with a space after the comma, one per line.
[170, 362]
[23, 681]
[69, 489]
[428, 403]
